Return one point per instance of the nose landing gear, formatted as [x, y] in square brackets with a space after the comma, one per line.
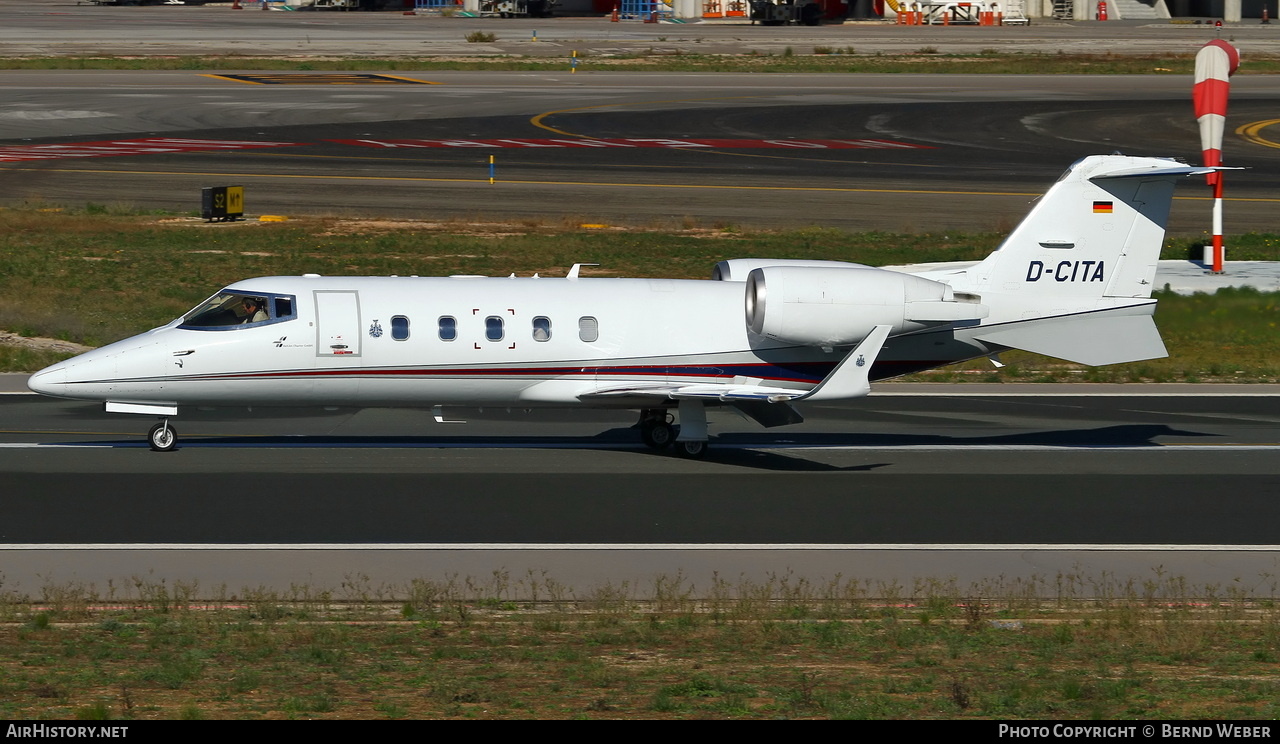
[163, 438]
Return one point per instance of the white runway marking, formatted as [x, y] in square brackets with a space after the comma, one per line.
[1173, 447]
[1011, 547]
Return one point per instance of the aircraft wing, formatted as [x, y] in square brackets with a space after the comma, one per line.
[767, 406]
[848, 380]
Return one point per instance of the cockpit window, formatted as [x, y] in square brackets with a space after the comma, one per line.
[229, 309]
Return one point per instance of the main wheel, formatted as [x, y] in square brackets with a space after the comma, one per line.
[692, 450]
[657, 434]
[163, 437]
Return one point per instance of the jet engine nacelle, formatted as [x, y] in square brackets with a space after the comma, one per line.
[838, 306]
[738, 269]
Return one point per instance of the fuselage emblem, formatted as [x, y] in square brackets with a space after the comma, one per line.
[375, 329]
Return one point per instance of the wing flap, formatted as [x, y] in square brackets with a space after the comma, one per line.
[724, 393]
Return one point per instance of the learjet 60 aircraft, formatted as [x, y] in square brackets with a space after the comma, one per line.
[1072, 281]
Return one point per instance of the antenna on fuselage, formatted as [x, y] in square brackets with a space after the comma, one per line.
[573, 273]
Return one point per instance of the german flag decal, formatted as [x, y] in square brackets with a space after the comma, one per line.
[1101, 207]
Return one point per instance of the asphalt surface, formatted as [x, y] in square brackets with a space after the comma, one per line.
[856, 152]
[867, 487]
[951, 152]
[897, 487]
[916, 485]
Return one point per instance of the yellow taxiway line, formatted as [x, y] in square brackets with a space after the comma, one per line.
[1251, 132]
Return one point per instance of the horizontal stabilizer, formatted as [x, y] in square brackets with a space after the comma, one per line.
[1092, 340]
[1147, 172]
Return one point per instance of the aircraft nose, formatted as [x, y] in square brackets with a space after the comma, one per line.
[49, 381]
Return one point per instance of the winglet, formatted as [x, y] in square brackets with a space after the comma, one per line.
[850, 378]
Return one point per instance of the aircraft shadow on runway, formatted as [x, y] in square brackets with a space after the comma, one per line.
[1124, 435]
[767, 451]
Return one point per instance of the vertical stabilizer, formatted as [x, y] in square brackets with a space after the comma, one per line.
[1096, 233]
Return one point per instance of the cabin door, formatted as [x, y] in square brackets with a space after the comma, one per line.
[337, 323]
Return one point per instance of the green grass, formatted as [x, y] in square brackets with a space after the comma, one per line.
[1069, 646]
[97, 275]
[924, 60]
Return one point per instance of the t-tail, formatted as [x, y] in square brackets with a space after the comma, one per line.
[1097, 232]
[1074, 279]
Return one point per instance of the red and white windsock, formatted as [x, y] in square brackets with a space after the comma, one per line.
[1215, 63]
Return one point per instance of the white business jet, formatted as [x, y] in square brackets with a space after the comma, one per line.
[1073, 281]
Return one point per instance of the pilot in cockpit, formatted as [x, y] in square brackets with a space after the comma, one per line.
[253, 311]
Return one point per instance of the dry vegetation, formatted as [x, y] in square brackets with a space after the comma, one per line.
[1066, 647]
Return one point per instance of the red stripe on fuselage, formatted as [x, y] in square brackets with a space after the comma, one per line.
[729, 371]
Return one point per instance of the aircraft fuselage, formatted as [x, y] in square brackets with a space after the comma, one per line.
[453, 341]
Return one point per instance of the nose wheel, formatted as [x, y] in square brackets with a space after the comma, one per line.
[163, 438]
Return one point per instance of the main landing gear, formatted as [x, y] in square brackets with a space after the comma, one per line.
[691, 450]
[658, 432]
[656, 429]
[163, 438]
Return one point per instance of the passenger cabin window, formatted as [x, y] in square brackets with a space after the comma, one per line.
[493, 328]
[229, 310]
[400, 328]
[588, 329]
[448, 328]
[542, 328]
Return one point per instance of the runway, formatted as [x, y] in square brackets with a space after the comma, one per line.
[903, 485]
[881, 152]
